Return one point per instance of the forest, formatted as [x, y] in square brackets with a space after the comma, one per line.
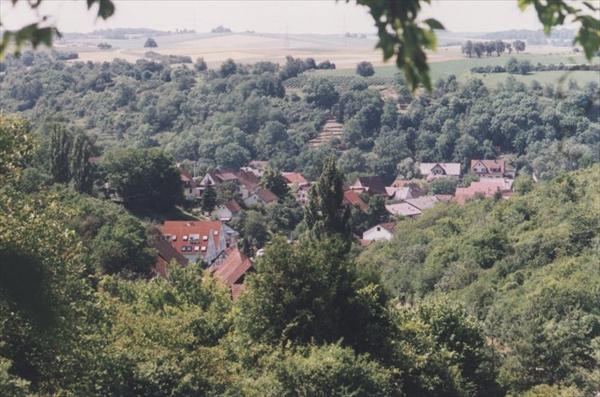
[237, 113]
[493, 298]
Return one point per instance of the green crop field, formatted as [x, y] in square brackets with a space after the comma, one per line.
[461, 69]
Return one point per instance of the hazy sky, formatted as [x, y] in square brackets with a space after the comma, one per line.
[293, 16]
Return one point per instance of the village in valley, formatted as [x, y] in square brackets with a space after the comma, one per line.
[213, 241]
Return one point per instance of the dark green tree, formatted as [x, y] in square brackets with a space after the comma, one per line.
[272, 180]
[365, 69]
[321, 92]
[146, 179]
[81, 168]
[209, 199]
[150, 43]
[60, 148]
[325, 213]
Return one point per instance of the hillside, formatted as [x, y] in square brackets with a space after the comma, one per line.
[527, 267]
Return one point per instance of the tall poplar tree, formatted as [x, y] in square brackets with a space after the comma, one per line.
[60, 148]
[81, 168]
[325, 213]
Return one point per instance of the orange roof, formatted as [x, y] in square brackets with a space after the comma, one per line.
[486, 188]
[193, 235]
[353, 198]
[267, 196]
[294, 177]
[233, 268]
[233, 206]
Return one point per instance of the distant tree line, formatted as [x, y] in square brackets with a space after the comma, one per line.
[169, 59]
[489, 48]
[524, 67]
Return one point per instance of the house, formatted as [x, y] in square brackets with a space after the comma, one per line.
[486, 187]
[191, 188]
[247, 181]
[232, 270]
[383, 231]
[197, 240]
[352, 197]
[423, 203]
[261, 196]
[491, 169]
[432, 171]
[373, 185]
[301, 192]
[294, 178]
[256, 167]
[408, 191]
[227, 211]
[165, 255]
[403, 209]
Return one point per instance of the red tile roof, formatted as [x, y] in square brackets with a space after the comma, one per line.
[180, 232]
[267, 196]
[293, 177]
[231, 270]
[233, 206]
[165, 254]
[353, 198]
[485, 188]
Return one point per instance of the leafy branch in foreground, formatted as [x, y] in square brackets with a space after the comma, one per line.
[37, 33]
[402, 35]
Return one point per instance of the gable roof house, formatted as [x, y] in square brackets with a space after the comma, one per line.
[408, 191]
[292, 178]
[191, 188]
[261, 196]
[301, 192]
[373, 185]
[165, 253]
[488, 168]
[232, 271]
[433, 171]
[246, 180]
[226, 212]
[197, 240]
[382, 231]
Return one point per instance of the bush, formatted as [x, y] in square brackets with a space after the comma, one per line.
[365, 69]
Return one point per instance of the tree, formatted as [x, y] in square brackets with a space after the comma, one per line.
[479, 49]
[321, 92]
[468, 48]
[200, 64]
[16, 146]
[60, 148]
[443, 186]
[500, 47]
[228, 68]
[509, 48]
[150, 43]
[271, 179]
[81, 167]
[519, 46]
[145, 179]
[325, 214]
[209, 199]
[365, 69]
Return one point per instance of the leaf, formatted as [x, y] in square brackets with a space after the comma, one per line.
[434, 24]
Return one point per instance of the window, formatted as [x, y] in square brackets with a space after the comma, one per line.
[185, 237]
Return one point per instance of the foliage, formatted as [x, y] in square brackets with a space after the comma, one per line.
[16, 146]
[525, 267]
[325, 214]
[365, 69]
[145, 179]
[271, 179]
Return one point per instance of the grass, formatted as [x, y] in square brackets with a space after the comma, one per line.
[461, 69]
